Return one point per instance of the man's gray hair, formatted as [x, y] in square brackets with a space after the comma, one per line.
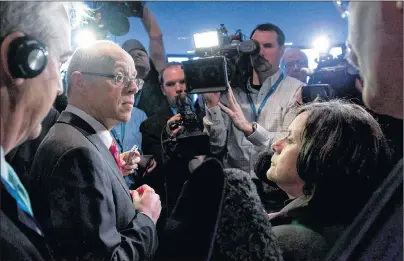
[92, 59]
[38, 19]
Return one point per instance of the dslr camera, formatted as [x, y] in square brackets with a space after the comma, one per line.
[192, 141]
[222, 59]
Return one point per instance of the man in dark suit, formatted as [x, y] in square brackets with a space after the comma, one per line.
[83, 203]
[29, 83]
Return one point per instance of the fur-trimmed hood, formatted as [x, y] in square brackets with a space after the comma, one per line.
[219, 216]
[244, 231]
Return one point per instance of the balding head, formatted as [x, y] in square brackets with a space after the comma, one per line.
[99, 57]
[293, 60]
[100, 82]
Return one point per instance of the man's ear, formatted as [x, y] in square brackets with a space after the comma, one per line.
[5, 45]
[77, 80]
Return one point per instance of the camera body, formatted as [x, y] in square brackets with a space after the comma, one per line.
[333, 78]
[228, 60]
[209, 74]
[189, 120]
[192, 141]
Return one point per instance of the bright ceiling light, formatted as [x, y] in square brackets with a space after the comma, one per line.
[84, 38]
[322, 44]
[206, 39]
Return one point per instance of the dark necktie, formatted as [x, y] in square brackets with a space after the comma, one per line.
[115, 153]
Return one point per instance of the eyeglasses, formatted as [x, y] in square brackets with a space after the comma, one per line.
[120, 79]
[172, 83]
[342, 7]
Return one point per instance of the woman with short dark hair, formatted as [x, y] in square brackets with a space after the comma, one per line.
[329, 164]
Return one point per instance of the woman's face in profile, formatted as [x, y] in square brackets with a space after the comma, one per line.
[283, 170]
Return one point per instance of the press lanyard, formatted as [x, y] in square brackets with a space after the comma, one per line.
[264, 101]
[118, 140]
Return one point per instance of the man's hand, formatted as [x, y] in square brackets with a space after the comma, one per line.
[152, 167]
[129, 165]
[212, 99]
[147, 202]
[236, 114]
[175, 119]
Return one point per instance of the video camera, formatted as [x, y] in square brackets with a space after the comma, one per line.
[333, 78]
[222, 59]
[192, 141]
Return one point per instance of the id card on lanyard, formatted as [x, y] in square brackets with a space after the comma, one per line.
[264, 101]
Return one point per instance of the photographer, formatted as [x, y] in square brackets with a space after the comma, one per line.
[149, 66]
[169, 175]
[258, 114]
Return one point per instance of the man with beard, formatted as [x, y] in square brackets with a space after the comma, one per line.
[242, 123]
[253, 117]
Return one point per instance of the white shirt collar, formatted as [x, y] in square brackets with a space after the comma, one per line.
[100, 129]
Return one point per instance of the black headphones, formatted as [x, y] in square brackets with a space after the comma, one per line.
[27, 57]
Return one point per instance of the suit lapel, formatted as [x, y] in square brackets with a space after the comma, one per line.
[91, 135]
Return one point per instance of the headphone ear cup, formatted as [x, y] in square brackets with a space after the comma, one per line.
[27, 57]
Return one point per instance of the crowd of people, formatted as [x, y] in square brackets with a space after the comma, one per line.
[89, 180]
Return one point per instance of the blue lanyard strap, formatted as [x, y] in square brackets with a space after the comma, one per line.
[264, 101]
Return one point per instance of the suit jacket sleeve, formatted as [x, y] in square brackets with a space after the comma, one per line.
[83, 212]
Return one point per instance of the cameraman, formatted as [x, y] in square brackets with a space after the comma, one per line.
[257, 114]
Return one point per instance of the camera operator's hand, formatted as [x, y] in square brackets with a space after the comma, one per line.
[152, 167]
[236, 114]
[147, 202]
[171, 122]
[212, 99]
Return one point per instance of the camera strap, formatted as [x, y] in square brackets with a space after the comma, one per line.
[264, 101]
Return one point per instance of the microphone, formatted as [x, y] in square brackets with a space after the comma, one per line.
[307, 71]
[263, 164]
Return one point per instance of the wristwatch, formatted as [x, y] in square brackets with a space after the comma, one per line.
[254, 128]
